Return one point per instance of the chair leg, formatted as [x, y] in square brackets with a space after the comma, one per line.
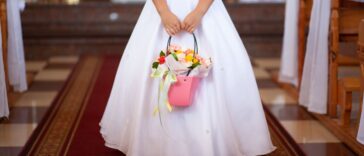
[333, 89]
[346, 109]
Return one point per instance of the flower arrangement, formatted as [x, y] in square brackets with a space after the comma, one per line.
[181, 62]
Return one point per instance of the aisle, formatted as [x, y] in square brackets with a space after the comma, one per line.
[71, 127]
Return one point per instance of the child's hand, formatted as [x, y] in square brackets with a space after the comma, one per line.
[191, 21]
[171, 23]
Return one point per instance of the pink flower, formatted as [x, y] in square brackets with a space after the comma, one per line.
[174, 47]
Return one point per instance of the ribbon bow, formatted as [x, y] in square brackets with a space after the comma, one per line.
[167, 78]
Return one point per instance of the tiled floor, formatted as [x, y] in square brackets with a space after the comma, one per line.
[308, 132]
[31, 106]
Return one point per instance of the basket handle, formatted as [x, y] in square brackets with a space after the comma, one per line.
[195, 51]
[195, 45]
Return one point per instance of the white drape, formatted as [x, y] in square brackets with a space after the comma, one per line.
[4, 107]
[289, 67]
[16, 63]
[313, 93]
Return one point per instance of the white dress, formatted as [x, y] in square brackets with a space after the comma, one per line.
[226, 117]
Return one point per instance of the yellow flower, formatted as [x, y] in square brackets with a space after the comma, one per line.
[189, 58]
[178, 51]
[195, 60]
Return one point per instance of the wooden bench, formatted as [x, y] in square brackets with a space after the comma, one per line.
[3, 22]
[361, 57]
[4, 36]
[345, 17]
[347, 86]
[305, 7]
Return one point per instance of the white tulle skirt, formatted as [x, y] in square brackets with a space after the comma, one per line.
[226, 117]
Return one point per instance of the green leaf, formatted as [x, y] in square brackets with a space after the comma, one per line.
[195, 65]
[162, 53]
[155, 65]
[175, 56]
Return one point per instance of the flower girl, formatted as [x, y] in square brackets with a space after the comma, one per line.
[225, 117]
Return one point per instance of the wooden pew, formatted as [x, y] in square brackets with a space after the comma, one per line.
[305, 7]
[4, 35]
[3, 20]
[361, 57]
[345, 17]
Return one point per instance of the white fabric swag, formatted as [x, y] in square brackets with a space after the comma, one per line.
[16, 62]
[313, 93]
[289, 67]
[4, 108]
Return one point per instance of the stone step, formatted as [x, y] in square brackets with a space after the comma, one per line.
[257, 46]
[58, 29]
[107, 19]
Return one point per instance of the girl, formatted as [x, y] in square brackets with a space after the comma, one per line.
[226, 117]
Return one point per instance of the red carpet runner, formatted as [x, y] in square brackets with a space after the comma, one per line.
[87, 139]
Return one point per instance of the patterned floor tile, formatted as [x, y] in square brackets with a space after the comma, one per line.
[275, 96]
[260, 73]
[53, 75]
[268, 63]
[35, 66]
[46, 86]
[60, 66]
[289, 112]
[26, 114]
[309, 131]
[15, 135]
[266, 83]
[63, 59]
[327, 149]
[10, 151]
[36, 99]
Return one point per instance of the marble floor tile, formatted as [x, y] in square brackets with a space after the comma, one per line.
[53, 75]
[36, 99]
[35, 66]
[63, 59]
[268, 63]
[276, 96]
[15, 135]
[10, 151]
[26, 115]
[46, 86]
[289, 112]
[60, 66]
[309, 131]
[266, 83]
[260, 73]
[326, 149]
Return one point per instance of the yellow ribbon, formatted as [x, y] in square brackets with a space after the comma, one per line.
[164, 85]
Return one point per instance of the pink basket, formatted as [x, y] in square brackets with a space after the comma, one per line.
[182, 92]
